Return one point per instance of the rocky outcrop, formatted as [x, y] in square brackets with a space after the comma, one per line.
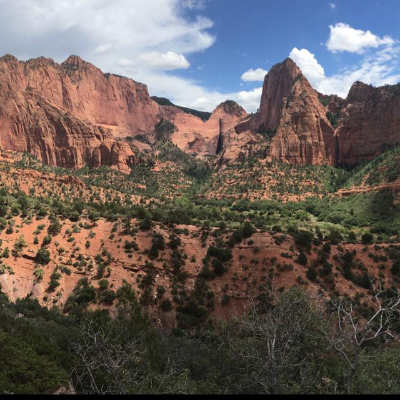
[292, 115]
[369, 123]
[204, 138]
[334, 104]
[238, 147]
[72, 115]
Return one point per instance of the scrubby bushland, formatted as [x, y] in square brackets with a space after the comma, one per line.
[288, 345]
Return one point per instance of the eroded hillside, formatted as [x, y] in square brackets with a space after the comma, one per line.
[73, 239]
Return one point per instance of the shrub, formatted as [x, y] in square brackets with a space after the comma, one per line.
[367, 238]
[312, 274]
[248, 230]
[166, 306]
[302, 259]
[42, 256]
[304, 239]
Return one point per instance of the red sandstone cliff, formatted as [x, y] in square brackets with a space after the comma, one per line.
[67, 115]
[29, 123]
[82, 89]
[197, 137]
[71, 114]
[369, 123]
[292, 113]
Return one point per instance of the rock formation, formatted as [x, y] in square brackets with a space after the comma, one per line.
[293, 116]
[199, 137]
[80, 88]
[29, 123]
[68, 115]
[306, 127]
[72, 115]
[369, 123]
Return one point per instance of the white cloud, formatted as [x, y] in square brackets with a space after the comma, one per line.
[203, 104]
[103, 49]
[132, 27]
[309, 65]
[195, 4]
[369, 71]
[377, 69]
[142, 38]
[147, 39]
[250, 100]
[254, 75]
[164, 61]
[124, 62]
[332, 6]
[345, 38]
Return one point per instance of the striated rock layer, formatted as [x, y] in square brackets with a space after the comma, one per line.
[66, 114]
[82, 89]
[293, 116]
[72, 115]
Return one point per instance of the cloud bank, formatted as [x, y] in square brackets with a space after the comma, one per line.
[152, 40]
[379, 66]
[254, 75]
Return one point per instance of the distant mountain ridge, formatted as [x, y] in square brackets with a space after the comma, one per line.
[74, 115]
[162, 101]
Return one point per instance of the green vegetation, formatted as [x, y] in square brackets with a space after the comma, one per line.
[382, 169]
[205, 116]
[333, 118]
[44, 352]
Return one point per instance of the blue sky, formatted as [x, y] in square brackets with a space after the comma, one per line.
[201, 52]
[261, 33]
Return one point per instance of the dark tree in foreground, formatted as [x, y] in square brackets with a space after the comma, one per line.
[351, 335]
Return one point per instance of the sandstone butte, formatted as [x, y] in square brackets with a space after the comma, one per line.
[72, 115]
[292, 113]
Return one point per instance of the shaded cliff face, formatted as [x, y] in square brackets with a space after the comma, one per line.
[67, 115]
[307, 127]
[369, 123]
[292, 113]
[334, 104]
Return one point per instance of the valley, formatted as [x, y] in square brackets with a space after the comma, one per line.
[181, 234]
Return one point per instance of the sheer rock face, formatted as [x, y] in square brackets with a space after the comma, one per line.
[82, 89]
[66, 114]
[292, 113]
[237, 147]
[278, 84]
[204, 138]
[369, 123]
